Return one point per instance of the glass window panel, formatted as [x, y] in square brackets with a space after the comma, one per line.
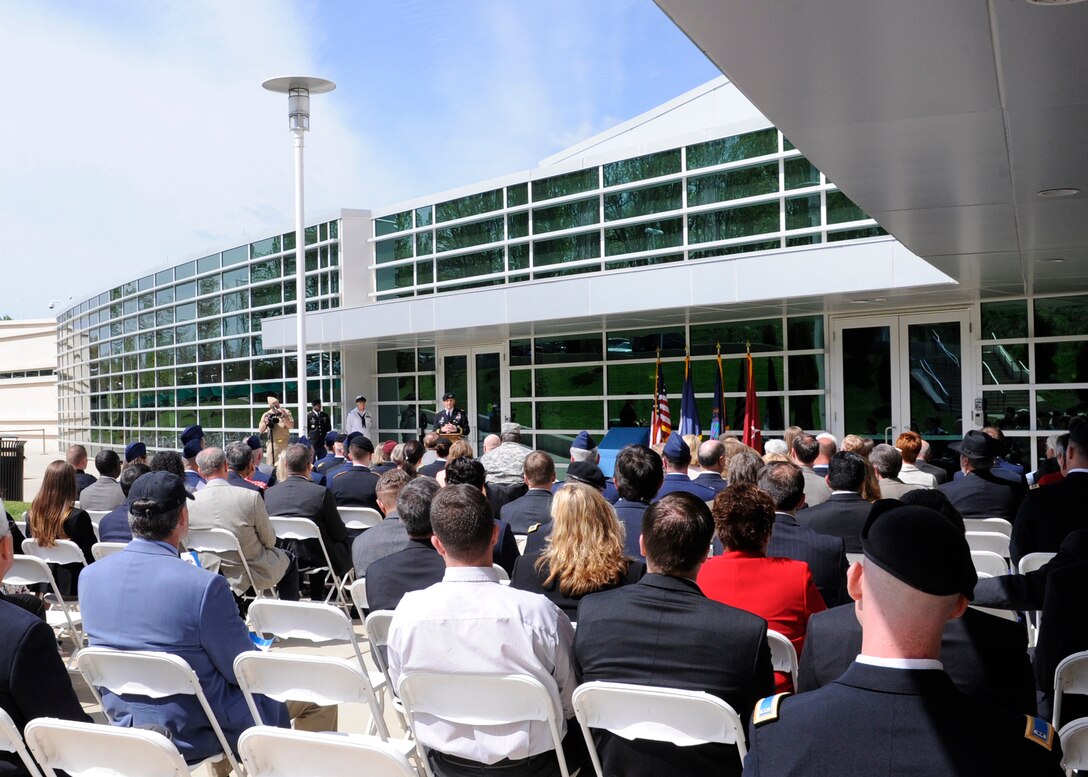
[467, 235]
[732, 149]
[397, 361]
[207, 263]
[393, 249]
[426, 388]
[425, 216]
[644, 261]
[144, 301]
[397, 389]
[800, 173]
[622, 411]
[164, 297]
[236, 372]
[185, 354]
[130, 306]
[644, 343]
[522, 413]
[424, 243]
[237, 300]
[632, 203]
[210, 351]
[575, 415]
[648, 236]
[235, 255]
[571, 349]
[266, 295]
[310, 234]
[232, 279]
[808, 412]
[235, 325]
[186, 376]
[266, 247]
[805, 332]
[867, 374]
[804, 240]
[1061, 362]
[185, 334]
[569, 381]
[185, 312]
[208, 373]
[517, 225]
[856, 234]
[470, 205]
[1004, 320]
[161, 277]
[807, 372]
[208, 307]
[571, 248]
[518, 194]
[164, 337]
[311, 259]
[803, 212]
[521, 383]
[764, 335]
[395, 277]
[518, 256]
[208, 328]
[566, 216]
[185, 291]
[424, 272]
[1061, 316]
[561, 185]
[209, 284]
[733, 184]
[264, 271]
[1005, 364]
[1012, 409]
[266, 368]
[468, 265]
[427, 361]
[648, 166]
[733, 223]
[841, 208]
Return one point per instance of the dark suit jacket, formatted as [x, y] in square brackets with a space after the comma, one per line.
[500, 494]
[630, 515]
[985, 656]
[1026, 592]
[33, 680]
[1048, 514]
[327, 462]
[534, 542]
[303, 498]
[938, 472]
[534, 507]
[432, 469]
[355, 487]
[675, 481]
[114, 526]
[843, 515]
[663, 631]
[1063, 630]
[414, 568]
[240, 482]
[982, 495]
[527, 578]
[83, 480]
[711, 480]
[825, 556]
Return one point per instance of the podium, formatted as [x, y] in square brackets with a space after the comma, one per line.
[451, 436]
[618, 438]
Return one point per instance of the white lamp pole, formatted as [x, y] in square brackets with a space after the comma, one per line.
[298, 89]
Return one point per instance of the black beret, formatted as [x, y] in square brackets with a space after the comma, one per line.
[919, 547]
[585, 472]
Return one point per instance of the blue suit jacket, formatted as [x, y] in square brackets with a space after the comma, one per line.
[676, 481]
[146, 598]
[114, 526]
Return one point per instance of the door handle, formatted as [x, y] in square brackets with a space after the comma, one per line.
[888, 430]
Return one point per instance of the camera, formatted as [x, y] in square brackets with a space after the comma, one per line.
[274, 418]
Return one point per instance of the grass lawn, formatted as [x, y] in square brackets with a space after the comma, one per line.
[16, 509]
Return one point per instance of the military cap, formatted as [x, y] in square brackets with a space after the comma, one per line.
[676, 448]
[585, 472]
[583, 442]
[191, 449]
[194, 432]
[135, 450]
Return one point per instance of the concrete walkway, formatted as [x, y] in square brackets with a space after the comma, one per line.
[34, 464]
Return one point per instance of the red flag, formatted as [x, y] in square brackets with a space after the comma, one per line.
[660, 419]
[753, 427]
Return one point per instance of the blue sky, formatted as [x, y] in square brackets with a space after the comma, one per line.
[137, 135]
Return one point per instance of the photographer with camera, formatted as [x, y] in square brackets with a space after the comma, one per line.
[277, 422]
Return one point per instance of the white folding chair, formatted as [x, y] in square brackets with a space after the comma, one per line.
[61, 552]
[999, 525]
[152, 674]
[1074, 739]
[993, 541]
[783, 654]
[853, 557]
[358, 595]
[1033, 561]
[359, 518]
[294, 528]
[278, 752]
[91, 750]
[682, 718]
[96, 519]
[1071, 676]
[504, 576]
[220, 542]
[989, 563]
[315, 622]
[12, 742]
[479, 700]
[521, 539]
[62, 616]
[102, 549]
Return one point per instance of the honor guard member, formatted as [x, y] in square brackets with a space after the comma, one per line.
[895, 710]
[135, 451]
[334, 458]
[318, 425]
[258, 476]
[194, 481]
[451, 419]
[358, 418]
[194, 432]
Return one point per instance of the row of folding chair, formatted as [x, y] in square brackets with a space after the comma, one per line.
[64, 618]
[291, 527]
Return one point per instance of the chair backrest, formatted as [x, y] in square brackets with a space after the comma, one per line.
[289, 527]
[12, 742]
[853, 557]
[783, 654]
[90, 749]
[96, 518]
[990, 563]
[680, 717]
[377, 634]
[481, 700]
[62, 552]
[358, 595]
[504, 576]
[999, 525]
[1074, 738]
[321, 680]
[102, 549]
[31, 570]
[276, 752]
[151, 674]
[1033, 561]
[359, 517]
[220, 541]
[993, 541]
[1070, 676]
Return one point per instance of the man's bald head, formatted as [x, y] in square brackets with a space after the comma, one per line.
[712, 456]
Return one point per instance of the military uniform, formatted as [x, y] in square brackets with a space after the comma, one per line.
[457, 417]
[328, 462]
[880, 720]
[317, 426]
[505, 465]
[355, 486]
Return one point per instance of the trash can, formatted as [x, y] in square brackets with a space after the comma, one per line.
[11, 468]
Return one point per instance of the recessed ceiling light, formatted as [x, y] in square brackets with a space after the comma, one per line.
[1059, 192]
[1050, 260]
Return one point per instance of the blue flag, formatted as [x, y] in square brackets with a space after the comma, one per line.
[689, 413]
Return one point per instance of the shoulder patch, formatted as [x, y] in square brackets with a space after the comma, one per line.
[1033, 486]
[766, 709]
[341, 472]
[1039, 731]
[533, 528]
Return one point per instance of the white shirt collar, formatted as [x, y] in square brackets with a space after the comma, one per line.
[470, 575]
[900, 663]
[1076, 469]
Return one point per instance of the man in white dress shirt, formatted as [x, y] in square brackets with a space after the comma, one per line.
[470, 623]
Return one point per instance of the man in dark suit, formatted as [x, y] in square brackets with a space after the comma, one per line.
[979, 493]
[663, 631]
[1049, 513]
[1026, 592]
[844, 513]
[825, 555]
[441, 451]
[1063, 630]
[240, 464]
[114, 525]
[77, 457]
[471, 472]
[804, 451]
[335, 456]
[638, 475]
[535, 505]
[300, 497]
[711, 457]
[922, 463]
[357, 485]
[416, 566]
[677, 456]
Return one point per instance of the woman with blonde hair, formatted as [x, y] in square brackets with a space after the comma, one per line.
[870, 489]
[52, 517]
[460, 449]
[582, 555]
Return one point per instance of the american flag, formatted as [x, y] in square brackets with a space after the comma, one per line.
[661, 421]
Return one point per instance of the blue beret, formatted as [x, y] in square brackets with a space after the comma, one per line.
[583, 442]
[676, 448]
[332, 437]
[191, 449]
[194, 432]
[304, 440]
[254, 442]
[135, 450]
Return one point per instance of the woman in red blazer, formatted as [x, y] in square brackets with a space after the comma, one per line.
[779, 590]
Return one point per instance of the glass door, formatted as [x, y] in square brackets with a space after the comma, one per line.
[478, 377]
[893, 373]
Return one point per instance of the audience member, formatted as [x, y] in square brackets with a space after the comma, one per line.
[791, 434]
[389, 536]
[677, 456]
[639, 474]
[922, 462]
[825, 555]
[905, 715]
[413, 455]
[114, 525]
[979, 494]
[239, 460]
[470, 623]
[804, 453]
[105, 493]
[711, 456]
[505, 468]
[383, 458]
[430, 455]
[775, 447]
[692, 441]
[471, 472]
[829, 446]
[356, 485]
[193, 481]
[583, 450]
[745, 467]
[460, 449]
[534, 507]
[334, 445]
[77, 457]
[909, 445]
[779, 590]
[438, 463]
[1052, 468]
[887, 464]
[491, 442]
[584, 552]
[663, 631]
[844, 513]
[1063, 631]
[136, 452]
[52, 517]
[417, 564]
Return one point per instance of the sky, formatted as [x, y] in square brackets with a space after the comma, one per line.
[136, 134]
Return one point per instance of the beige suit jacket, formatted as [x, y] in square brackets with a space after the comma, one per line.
[219, 505]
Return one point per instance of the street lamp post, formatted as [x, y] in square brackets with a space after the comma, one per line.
[298, 90]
